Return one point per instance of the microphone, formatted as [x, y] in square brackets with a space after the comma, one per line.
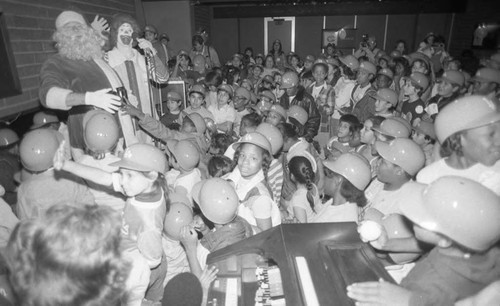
[147, 52]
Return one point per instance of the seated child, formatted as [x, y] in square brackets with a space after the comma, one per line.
[347, 126]
[367, 138]
[345, 180]
[424, 135]
[141, 179]
[196, 101]
[298, 116]
[45, 188]
[78, 261]
[466, 257]
[171, 118]
[249, 123]
[390, 129]
[277, 114]
[386, 102]
[184, 157]
[305, 200]
[412, 106]
[223, 112]
[448, 90]
[400, 160]
[219, 165]
[242, 100]
[266, 101]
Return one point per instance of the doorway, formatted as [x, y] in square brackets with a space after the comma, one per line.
[282, 28]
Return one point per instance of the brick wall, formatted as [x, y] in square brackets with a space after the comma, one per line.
[30, 25]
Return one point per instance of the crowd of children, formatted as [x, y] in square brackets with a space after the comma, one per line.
[260, 141]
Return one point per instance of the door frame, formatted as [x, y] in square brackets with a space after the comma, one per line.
[268, 19]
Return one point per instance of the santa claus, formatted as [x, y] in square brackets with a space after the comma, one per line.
[76, 78]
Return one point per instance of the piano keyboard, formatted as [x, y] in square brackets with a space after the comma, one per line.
[270, 290]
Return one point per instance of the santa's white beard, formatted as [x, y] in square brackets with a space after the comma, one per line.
[78, 42]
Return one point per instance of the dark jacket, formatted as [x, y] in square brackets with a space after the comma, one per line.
[306, 101]
[365, 108]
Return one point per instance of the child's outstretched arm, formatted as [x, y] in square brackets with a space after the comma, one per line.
[95, 175]
[151, 125]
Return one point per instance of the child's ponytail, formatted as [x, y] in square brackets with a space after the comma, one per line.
[301, 168]
[309, 176]
[161, 182]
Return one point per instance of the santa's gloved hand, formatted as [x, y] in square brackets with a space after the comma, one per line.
[103, 99]
[147, 46]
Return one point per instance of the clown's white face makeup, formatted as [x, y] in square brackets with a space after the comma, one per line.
[125, 34]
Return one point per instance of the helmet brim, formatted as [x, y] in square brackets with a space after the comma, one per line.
[127, 164]
[413, 207]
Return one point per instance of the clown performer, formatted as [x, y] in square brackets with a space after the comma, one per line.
[76, 78]
[132, 67]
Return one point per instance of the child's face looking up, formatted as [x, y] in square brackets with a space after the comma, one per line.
[173, 106]
[343, 130]
[222, 97]
[250, 160]
[196, 100]
[319, 74]
[188, 126]
[135, 183]
[274, 118]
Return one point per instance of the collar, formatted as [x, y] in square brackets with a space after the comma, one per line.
[243, 186]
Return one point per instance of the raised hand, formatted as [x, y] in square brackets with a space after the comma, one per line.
[100, 24]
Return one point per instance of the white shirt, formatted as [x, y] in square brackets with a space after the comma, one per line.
[226, 113]
[347, 212]
[488, 176]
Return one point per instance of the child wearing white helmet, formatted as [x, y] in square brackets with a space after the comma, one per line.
[465, 258]
[412, 105]
[400, 160]
[345, 180]
[223, 112]
[101, 137]
[141, 179]
[184, 157]
[468, 130]
[216, 218]
[367, 138]
[348, 126]
[293, 145]
[44, 187]
[252, 157]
